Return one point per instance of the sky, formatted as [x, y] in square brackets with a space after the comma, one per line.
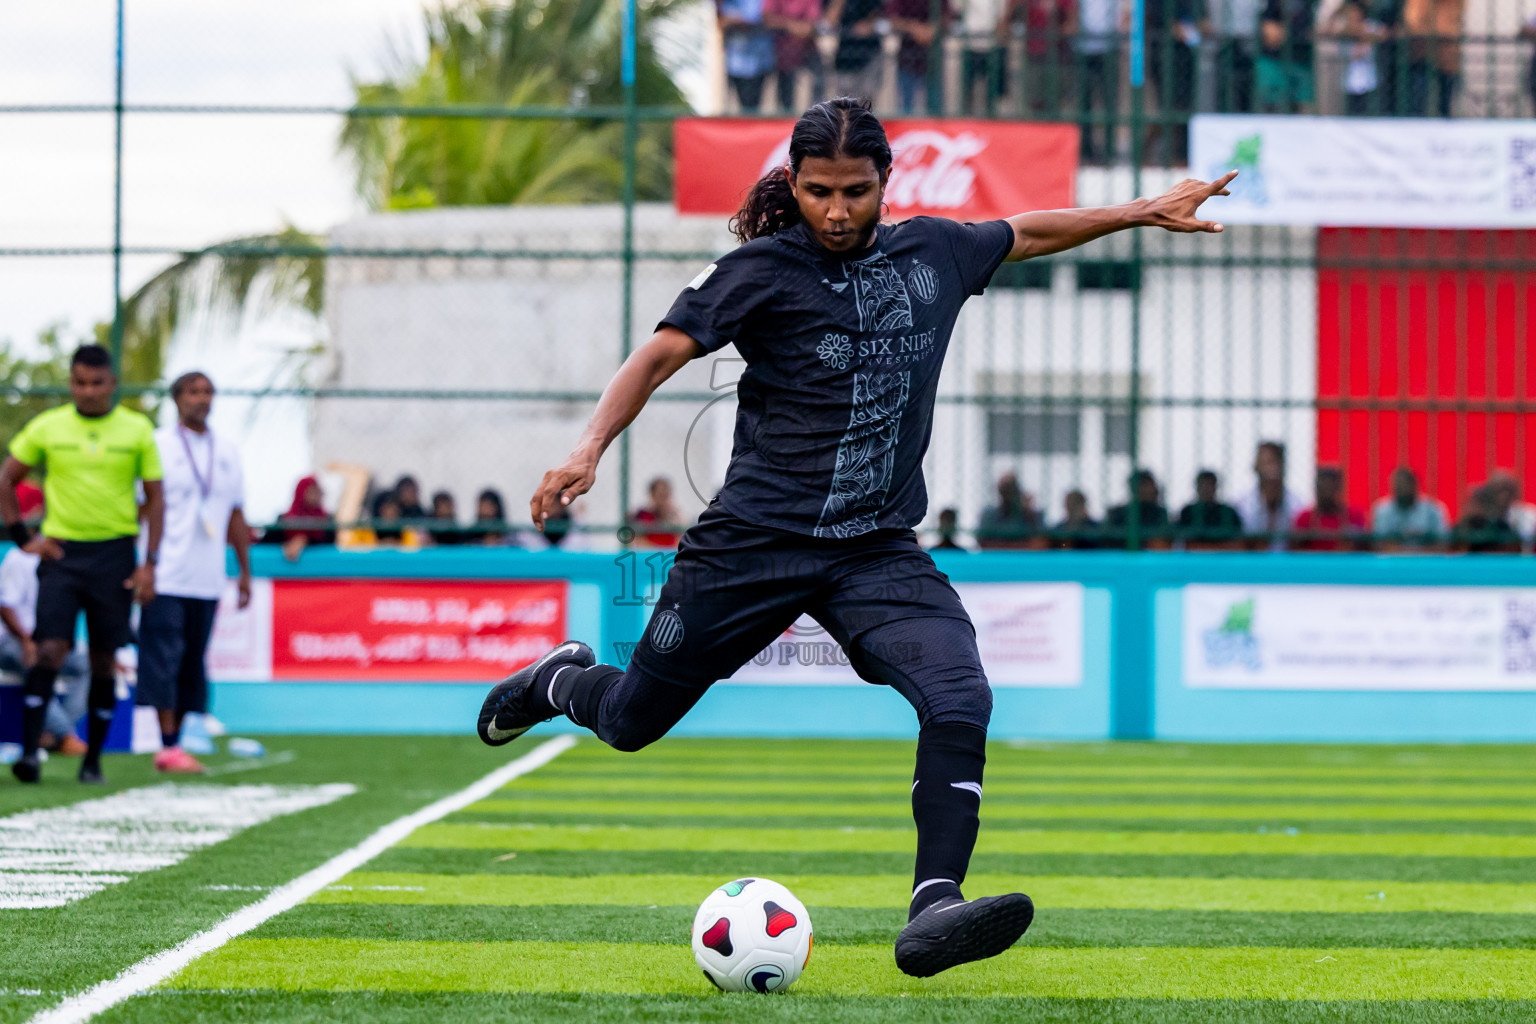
[188, 180]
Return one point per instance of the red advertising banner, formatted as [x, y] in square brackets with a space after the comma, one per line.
[961, 169]
[402, 630]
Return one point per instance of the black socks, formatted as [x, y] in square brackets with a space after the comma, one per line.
[103, 703]
[37, 691]
[577, 692]
[946, 804]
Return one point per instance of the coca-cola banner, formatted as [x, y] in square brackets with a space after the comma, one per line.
[401, 630]
[966, 170]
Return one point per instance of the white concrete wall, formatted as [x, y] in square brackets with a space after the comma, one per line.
[444, 323]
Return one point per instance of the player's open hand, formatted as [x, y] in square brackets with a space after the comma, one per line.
[1174, 210]
[561, 486]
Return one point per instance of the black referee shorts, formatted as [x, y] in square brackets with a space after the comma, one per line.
[735, 587]
[173, 648]
[89, 578]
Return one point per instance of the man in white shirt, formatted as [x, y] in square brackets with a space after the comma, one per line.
[1270, 508]
[18, 652]
[204, 491]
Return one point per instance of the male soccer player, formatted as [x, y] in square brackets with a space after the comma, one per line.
[93, 451]
[843, 322]
[204, 491]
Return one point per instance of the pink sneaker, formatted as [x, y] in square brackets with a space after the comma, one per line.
[178, 762]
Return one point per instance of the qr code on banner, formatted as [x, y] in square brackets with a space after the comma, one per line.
[1520, 637]
[1522, 174]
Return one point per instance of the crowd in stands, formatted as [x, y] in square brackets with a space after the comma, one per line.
[1065, 59]
[395, 516]
[1270, 515]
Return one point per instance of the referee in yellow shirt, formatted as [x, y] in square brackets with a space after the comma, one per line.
[92, 452]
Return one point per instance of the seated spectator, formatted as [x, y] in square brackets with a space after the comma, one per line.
[557, 526]
[1207, 520]
[1406, 518]
[407, 495]
[490, 517]
[660, 512]
[1520, 515]
[445, 520]
[1330, 524]
[1077, 530]
[306, 522]
[948, 525]
[794, 47]
[1012, 521]
[749, 54]
[387, 519]
[1271, 507]
[1481, 529]
[1151, 515]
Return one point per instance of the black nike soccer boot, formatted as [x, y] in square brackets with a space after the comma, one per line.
[513, 707]
[956, 931]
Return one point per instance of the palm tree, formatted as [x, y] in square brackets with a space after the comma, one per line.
[556, 53]
[531, 52]
[285, 269]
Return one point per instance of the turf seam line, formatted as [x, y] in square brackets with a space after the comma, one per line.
[157, 967]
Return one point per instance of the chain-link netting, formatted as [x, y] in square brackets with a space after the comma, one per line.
[519, 249]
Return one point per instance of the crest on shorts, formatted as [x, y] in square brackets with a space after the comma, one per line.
[666, 631]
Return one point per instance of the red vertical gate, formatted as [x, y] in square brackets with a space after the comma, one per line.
[1425, 357]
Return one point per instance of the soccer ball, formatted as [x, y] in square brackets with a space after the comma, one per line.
[752, 935]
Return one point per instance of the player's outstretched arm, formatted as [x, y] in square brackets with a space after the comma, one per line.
[642, 373]
[1047, 231]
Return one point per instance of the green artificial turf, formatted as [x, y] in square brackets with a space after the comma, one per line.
[1175, 882]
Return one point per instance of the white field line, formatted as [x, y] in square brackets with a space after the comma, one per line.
[256, 764]
[56, 855]
[158, 967]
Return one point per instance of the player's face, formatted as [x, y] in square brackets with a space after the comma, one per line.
[840, 199]
[91, 388]
[193, 403]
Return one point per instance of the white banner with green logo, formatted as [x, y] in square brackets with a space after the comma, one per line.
[1359, 638]
[1368, 171]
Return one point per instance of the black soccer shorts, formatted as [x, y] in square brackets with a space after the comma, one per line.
[89, 578]
[735, 587]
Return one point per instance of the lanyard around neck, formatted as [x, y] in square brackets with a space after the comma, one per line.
[204, 485]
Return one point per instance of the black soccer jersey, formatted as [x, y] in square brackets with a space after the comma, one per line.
[843, 352]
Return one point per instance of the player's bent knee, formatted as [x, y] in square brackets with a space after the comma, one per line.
[967, 702]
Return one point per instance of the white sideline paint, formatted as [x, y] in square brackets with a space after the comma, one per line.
[56, 855]
[156, 968]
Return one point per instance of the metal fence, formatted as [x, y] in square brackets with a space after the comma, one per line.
[466, 345]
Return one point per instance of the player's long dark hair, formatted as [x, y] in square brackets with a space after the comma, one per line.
[833, 128]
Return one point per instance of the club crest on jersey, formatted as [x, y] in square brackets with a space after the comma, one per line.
[923, 282]
[666, 631]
